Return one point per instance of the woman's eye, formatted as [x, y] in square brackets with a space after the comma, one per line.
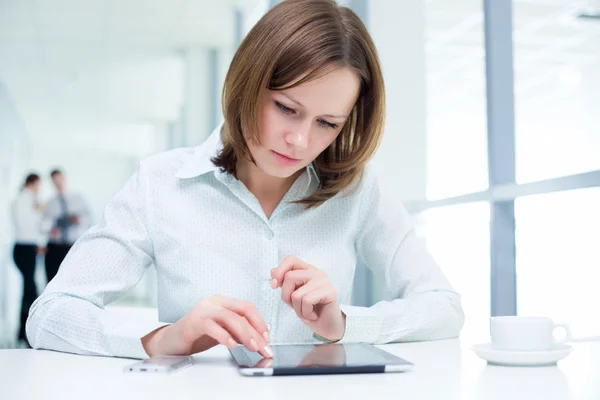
[326, 124]
[284, 109]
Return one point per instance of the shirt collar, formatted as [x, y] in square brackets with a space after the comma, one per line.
[312, 174]
[201, 160]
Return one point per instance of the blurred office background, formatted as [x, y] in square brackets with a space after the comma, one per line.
[93, 86]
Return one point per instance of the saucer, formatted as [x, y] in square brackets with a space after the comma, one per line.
[516, 358]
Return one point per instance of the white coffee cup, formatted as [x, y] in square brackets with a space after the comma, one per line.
[526, 333]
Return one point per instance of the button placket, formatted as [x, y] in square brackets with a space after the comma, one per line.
[272, 295]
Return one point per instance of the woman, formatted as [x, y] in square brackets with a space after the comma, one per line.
[27, 215]
[256, 233]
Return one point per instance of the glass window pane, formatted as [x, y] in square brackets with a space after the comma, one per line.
[558, 258]
[456, 108]
[557, 86]
[458, 237]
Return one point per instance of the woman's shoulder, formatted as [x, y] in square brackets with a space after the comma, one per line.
[366, 181]
[369, 174]
[361, 187]
[372, 188]
[166, 163]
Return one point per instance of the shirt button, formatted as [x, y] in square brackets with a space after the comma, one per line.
[270, 235]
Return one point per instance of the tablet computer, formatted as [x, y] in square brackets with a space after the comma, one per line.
[308, 359]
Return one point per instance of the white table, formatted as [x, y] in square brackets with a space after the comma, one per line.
[444, 370]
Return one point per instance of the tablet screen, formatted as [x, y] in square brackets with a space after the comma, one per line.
[322, 355]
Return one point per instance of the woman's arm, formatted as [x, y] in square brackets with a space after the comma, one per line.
[425, 306]
[105, 263]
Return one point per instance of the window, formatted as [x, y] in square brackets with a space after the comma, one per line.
[557, 235]
[458, 237]
[558, 257]
[456, 109]
[557, 82]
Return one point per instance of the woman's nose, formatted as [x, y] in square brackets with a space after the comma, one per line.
[299, 136]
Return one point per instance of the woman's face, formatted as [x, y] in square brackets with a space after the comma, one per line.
[297, 124]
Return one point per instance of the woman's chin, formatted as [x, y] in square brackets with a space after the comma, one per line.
[280, 172]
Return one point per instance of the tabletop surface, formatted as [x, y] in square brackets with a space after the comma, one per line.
[447, 369]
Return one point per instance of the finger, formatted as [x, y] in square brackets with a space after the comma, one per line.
[288, 264]
[243, 332]
[292, 281]
[248, 310]
[265, 363]
[321, 293]
[311, 300]
[217, 332]
[239, 328]
[287, 289]
[299, 294]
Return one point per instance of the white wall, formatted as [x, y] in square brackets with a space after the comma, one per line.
[196, 105]
[398, 30]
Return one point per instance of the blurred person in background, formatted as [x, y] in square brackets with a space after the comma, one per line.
[256, 234]
[27, 216]
[67, 217]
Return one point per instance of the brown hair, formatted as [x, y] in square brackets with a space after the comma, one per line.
[295, 42]
[31, 179]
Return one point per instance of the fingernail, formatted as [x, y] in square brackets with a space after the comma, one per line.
[269, 351]
[253, 345]
[266, 336]
[274, 283]
[232, 343]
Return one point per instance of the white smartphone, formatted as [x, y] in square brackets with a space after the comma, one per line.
[163, 364]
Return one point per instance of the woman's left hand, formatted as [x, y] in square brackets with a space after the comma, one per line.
[311, 294]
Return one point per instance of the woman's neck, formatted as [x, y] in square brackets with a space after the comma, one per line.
[269, 190]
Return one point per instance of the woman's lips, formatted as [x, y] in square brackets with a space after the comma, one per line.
[285, 160]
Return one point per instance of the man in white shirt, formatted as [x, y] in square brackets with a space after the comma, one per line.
[67, 217]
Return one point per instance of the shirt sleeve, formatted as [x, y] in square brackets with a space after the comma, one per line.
[85, 213]
[106, 262]
[48, 217]
[21, 212]
[424, 305]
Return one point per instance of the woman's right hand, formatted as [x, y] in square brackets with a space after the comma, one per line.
[216, 320]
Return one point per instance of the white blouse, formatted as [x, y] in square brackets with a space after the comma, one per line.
[206, 234]
[26, 219]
